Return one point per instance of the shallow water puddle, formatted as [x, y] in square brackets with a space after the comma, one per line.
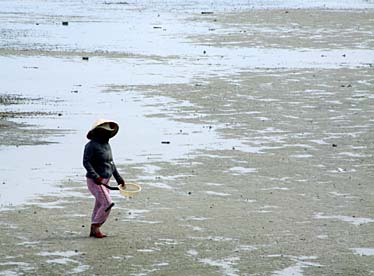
[213, 193]
[242, 170]
[19, 266]
[194, 218]
[64, 258]
[363, 251]
[226, 265]
[149, 250]
[193, 227]
[45, 169]
[48, 205]
[276, 188]
[352, 220]
[66, 254]
[297, 269]
[135, 213]
[192, 252]
[214, 238]
[29, 243]
[246, 248]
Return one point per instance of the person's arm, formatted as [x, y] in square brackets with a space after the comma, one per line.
[91, 173]
[117, 176]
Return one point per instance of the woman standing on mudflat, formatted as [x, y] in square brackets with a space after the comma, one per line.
[98, 161]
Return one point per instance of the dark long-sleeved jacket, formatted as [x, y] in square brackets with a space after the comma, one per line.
[98, 161]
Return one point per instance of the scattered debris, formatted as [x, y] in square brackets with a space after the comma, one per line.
[348, 85]
[30, 67]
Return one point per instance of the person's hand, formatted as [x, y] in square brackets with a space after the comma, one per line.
[99, 180]
[122, 184]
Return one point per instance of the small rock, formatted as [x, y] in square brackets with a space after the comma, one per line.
[189, 193]
[206, 12]
[85, 58]
[65, 23]
[204, 52]
[165, 142]
[83, 226]
[59, 114]
[334, 145]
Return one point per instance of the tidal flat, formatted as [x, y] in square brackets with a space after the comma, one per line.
[267, 114]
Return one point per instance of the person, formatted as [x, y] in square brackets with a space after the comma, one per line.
[98, 162]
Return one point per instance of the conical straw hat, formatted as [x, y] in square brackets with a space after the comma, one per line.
[105, 124]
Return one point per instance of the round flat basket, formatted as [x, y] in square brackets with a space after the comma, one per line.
[130, 190]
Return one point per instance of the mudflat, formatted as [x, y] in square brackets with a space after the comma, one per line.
[280, 185]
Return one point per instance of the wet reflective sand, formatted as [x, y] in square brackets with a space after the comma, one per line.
[248, 125]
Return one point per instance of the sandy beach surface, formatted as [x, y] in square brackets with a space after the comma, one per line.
[249, 126]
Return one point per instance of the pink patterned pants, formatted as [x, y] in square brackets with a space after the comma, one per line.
[102, 201]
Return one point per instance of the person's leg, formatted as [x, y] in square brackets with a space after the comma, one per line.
[103, 205]
[95, 209]
[105, 202]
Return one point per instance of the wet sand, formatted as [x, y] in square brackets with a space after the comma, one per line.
[285, 189]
